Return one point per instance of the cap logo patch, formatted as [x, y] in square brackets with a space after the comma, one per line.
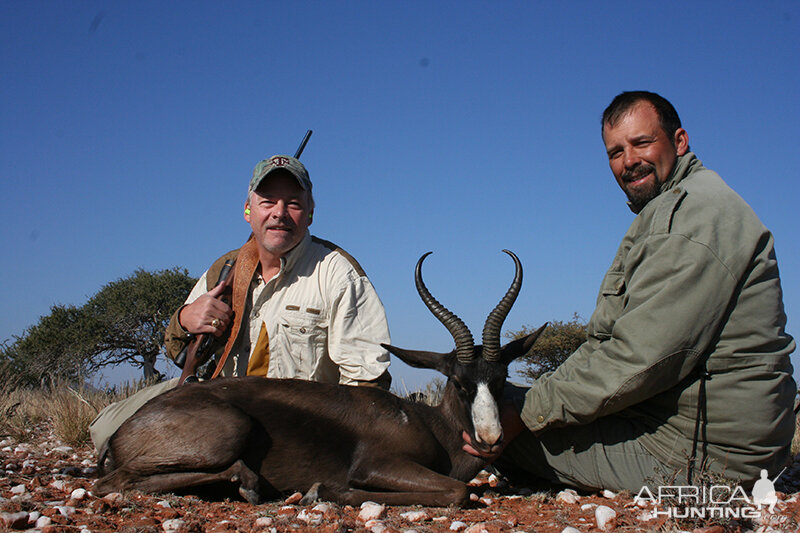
[280, 161]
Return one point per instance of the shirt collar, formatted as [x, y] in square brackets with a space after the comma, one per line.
[290, 259]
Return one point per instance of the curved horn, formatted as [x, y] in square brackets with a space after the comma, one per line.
[491, 330]
[456, 327]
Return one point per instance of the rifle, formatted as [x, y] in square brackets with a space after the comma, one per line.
[197, 352]
[303, 144]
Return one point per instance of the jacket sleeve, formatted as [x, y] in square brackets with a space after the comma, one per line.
[659, 311]
[357, 328]
[175, 337]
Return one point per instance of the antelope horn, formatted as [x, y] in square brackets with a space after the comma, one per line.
[460, 332]
[491, 330]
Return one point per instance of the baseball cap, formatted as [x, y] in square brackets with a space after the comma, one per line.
[280, 162]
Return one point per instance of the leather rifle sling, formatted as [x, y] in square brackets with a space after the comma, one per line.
[246, 264]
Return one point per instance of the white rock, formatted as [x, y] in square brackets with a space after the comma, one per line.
[604, 515]
[174, 524]
[6, 442]
[375, 526]
[59, 484]
[14, 520]
[65, 510]
[322, 508]
[645, 516]
[165, 504]
[587, 506]
[457, 525]
[18, 489]
[264, 521]
[567, 496]
[415, 516]
[78, 494]
[371, 511]
[43, 521]
[113, 497]
[487, 501]
[570, 529]
[63, 449]
[313, 519]
[609, 494]
[477, 528]
[22, 448]
[34, 516]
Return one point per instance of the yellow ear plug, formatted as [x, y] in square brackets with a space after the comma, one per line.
[246, 210]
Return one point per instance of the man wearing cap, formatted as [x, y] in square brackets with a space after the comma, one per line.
[301, 307]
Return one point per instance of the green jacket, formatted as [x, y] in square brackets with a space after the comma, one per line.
[695, 281]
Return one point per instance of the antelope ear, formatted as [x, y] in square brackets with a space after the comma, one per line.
[419, 359]
[520, 347]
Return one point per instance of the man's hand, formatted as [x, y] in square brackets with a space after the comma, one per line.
[207, 314]
[512, 426]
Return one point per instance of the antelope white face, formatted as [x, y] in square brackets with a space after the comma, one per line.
[486, 417]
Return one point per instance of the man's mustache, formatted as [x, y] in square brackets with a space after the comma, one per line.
[638, 172]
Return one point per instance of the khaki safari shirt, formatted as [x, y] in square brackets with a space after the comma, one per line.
[323, 318]
[695, 281]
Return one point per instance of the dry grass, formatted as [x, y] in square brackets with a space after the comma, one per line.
[430, 394]
[69, 410]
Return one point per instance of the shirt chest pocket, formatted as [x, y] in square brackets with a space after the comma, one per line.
[302, 339]
[610, 304]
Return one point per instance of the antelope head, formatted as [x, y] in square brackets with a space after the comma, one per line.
[475, 374]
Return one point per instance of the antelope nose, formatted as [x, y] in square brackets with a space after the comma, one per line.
[489, 437]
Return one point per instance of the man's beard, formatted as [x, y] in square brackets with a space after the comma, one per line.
[640, 197]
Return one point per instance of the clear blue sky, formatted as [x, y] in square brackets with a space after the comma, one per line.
[130, 130]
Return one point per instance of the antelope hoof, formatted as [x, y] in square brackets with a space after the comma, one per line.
[312, 495]
[250, 495]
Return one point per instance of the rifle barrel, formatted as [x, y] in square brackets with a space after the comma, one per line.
[302, 144]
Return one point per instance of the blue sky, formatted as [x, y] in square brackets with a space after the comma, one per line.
[130, 130]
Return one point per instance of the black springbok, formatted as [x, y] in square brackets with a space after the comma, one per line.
[332, 442]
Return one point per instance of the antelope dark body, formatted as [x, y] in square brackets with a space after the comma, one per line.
[271, 437]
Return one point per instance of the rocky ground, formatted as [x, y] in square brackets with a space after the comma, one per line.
[46, 486]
